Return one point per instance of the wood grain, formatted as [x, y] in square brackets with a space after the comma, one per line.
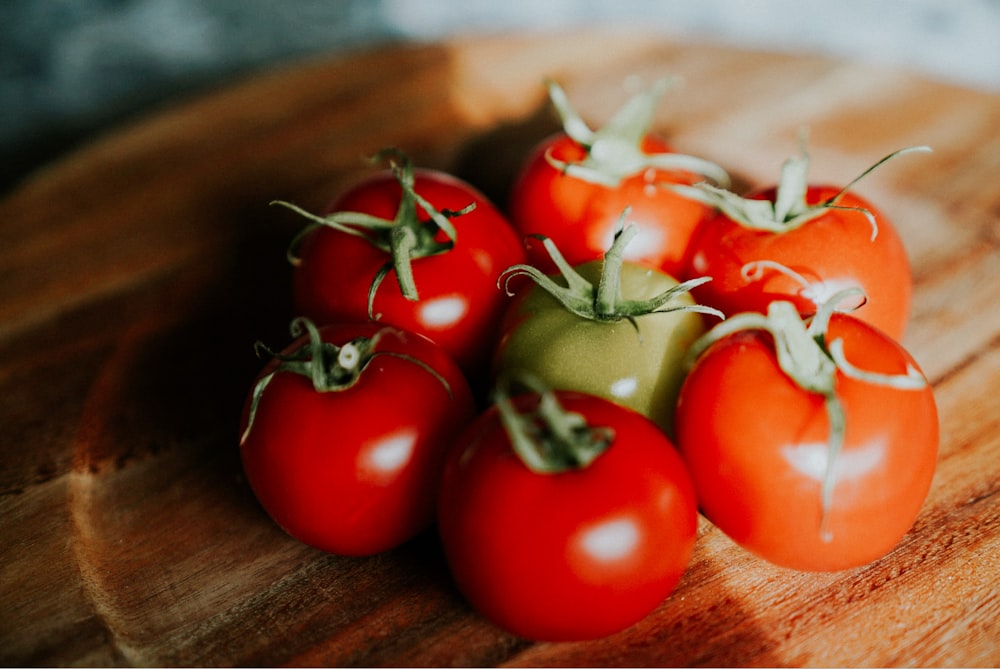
[136, 274]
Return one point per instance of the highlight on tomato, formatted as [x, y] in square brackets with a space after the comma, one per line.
[443, 241]
[811, 442]
[574, 185]
[564, 516]
[801, 242]
[611, 328]
[344, 434]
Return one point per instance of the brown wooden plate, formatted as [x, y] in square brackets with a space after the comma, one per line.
[136, 274]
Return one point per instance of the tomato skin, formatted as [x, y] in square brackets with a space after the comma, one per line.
[348, 471]
[835, 247]
[526, 549]
[640, 369]
[459, 304]
[755, 444]
[581, 217]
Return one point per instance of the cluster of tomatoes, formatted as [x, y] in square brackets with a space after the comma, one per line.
[561, 388]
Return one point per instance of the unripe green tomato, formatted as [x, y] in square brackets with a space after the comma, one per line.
[637, 364]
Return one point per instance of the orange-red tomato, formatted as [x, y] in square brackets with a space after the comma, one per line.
[582, 216]
[828, 253]
[756, 444]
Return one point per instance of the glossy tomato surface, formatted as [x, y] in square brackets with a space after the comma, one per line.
[581, 217]
[459, 303]
[638, 366]
[575, 555]
[756, 446]
[355, 471]
[831, 252]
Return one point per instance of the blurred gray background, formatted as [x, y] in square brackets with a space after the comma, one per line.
[70, 69]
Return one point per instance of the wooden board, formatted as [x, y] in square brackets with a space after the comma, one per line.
[136, 274]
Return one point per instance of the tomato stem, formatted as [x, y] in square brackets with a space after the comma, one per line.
[835, 444]
[808, 359]
[403, 244]
[609, 293]
[549, 439]
[605, 302]
[614, 151]
[789, 209]
[754, 271]
[330, 368]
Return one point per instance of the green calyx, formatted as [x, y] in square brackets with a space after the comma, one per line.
[329, 367]
[614, 152]
[405, 238]
[549, 439]
[812, 362]
[603, 302]
[789, 209]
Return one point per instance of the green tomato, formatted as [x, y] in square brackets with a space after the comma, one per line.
[636, 362]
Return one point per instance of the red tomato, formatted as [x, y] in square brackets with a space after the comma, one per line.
[764, 457]
[457, 301]
[575, 185]
[804, 254]
[354, 470]
[574, 554]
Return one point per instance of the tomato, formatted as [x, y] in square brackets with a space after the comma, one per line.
[576, 553]
[574, 185]
[813, 470]
[616, 329]
[349, 462]
[455, 257]
[758, 249]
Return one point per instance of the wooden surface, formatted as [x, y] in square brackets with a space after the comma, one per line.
[136, 274]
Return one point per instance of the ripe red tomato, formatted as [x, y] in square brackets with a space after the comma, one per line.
[828, 240]
[574, 186]
[765, 453]
[578, 553]
[454, 296]
[353, 468]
